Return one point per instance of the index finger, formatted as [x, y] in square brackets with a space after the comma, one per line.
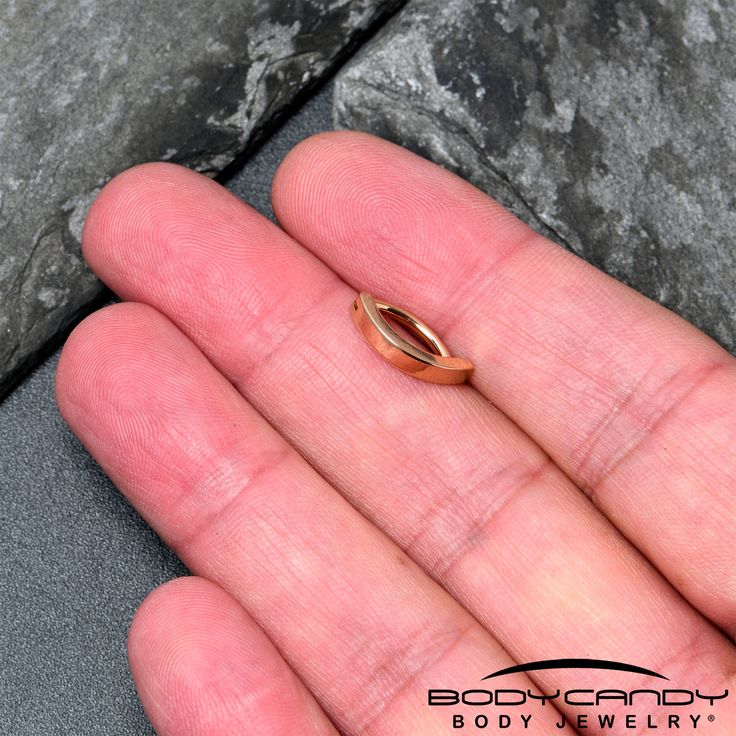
[635, 404]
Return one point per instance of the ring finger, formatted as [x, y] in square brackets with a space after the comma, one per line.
[366, 630]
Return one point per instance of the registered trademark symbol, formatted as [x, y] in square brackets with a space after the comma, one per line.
[711, 718]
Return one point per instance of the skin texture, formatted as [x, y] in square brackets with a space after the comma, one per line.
[202, 665]
[362, 536]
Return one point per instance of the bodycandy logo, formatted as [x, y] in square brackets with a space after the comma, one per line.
[666, 708]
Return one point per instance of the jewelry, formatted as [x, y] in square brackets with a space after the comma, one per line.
[435, 366]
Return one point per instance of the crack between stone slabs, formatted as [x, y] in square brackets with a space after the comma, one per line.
[18, 281]
[262, 131]
[277, 62]
[257, 134]
[15, 287]
[483, 157]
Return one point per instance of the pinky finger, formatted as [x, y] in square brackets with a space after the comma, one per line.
[202, 666]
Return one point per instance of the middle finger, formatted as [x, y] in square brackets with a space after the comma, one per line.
[451, 479]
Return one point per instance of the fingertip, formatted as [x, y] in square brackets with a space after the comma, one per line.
[99, 341]
[173, 646]
[147, 215]
[202, 665]
[311, 157]
[170, 616]
[120, 199]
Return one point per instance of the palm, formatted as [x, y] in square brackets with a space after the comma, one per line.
[381, 535]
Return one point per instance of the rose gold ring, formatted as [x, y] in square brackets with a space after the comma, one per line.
[435, 364]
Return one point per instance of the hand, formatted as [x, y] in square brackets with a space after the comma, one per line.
[359, 537]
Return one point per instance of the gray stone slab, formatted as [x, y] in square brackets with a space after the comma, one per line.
[605, 125]
[91, 87]
[76, 558]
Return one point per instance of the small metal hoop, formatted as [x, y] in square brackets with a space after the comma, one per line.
[435, 365]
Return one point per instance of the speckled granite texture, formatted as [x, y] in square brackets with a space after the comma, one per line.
[91, 87]
[76, 559]
[606, 125]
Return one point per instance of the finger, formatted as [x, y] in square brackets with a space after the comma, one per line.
[632, 402]
[201, 665]
[483, 511]
[366, 631]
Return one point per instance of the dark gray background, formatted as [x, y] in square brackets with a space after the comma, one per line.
[77, 560]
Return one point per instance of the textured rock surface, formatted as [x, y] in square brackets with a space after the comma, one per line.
[90, 87]
[606, 125]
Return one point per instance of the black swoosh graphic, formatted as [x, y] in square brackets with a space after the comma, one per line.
[562, 664]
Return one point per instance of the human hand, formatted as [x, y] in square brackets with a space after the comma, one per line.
[359, 537]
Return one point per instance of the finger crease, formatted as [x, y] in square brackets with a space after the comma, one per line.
[271, 462]
[671, 398]
[476, 527]
[395, 677]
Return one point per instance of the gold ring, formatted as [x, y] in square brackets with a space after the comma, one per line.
[435, 364]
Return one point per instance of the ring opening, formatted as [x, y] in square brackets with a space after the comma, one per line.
[426, 337]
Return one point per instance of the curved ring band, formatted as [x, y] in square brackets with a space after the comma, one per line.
[435, 364]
